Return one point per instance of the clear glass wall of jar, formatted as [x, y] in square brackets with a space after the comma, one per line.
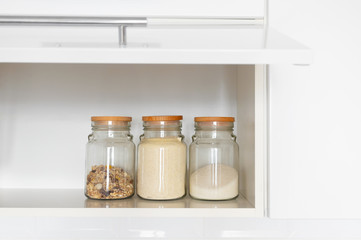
[213, 159]
[162, 159]
[110, 159]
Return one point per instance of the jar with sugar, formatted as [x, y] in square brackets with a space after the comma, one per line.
[162, 159]
[213, 159]
[110, 159]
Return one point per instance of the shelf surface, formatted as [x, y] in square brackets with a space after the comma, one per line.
[171, 45]
[72, 202]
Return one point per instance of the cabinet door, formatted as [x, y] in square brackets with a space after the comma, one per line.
[142, 8]
[315, 113]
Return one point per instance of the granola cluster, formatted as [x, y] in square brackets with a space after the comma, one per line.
[109, 182]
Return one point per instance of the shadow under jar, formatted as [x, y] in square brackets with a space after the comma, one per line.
[213, 159]
[110, 159]
[162, 156]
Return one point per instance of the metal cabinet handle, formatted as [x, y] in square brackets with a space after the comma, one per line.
[120, 22]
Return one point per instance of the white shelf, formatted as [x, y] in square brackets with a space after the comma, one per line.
[72, 202]
[236, 45]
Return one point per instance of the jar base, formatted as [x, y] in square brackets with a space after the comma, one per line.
[109, 199]
[207, 199]
[153, 199]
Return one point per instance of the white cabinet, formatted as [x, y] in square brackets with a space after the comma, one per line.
[53, 79]
[147, 8]
[315, 113]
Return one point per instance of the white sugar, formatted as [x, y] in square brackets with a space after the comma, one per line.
[214, 182]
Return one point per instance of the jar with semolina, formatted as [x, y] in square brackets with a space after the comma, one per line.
[162, 159]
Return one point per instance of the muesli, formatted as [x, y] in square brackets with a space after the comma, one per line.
[109, 182]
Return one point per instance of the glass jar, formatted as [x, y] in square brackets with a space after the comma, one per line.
[213, 159]
[110, 159]
[162, 159]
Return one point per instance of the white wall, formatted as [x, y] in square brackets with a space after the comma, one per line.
[315, 159]
[45, 111]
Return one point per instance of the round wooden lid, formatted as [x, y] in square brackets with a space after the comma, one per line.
[111, 118]
[214, 119]
[162, 118]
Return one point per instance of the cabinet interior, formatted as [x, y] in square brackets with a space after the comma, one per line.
[45, 114]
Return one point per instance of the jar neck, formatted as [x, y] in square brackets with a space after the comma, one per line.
[214, 134]
[162, 129]
[219, 130]
[110, 131]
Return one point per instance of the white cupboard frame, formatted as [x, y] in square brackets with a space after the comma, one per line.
[246, 48]
[251, 87]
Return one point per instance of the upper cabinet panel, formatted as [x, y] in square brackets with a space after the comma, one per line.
[143, 8]
[174, 32]
[236, 45]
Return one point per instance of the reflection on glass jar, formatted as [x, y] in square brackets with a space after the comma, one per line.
[110, 159]
[162, 158]
[125, 203]
[179, 203]
[194, 203]
[213, 159]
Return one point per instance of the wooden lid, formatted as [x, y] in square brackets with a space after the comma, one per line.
[111, 118]
[214, 119]
[162, 118]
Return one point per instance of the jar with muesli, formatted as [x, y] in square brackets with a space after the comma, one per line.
[110, 159]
